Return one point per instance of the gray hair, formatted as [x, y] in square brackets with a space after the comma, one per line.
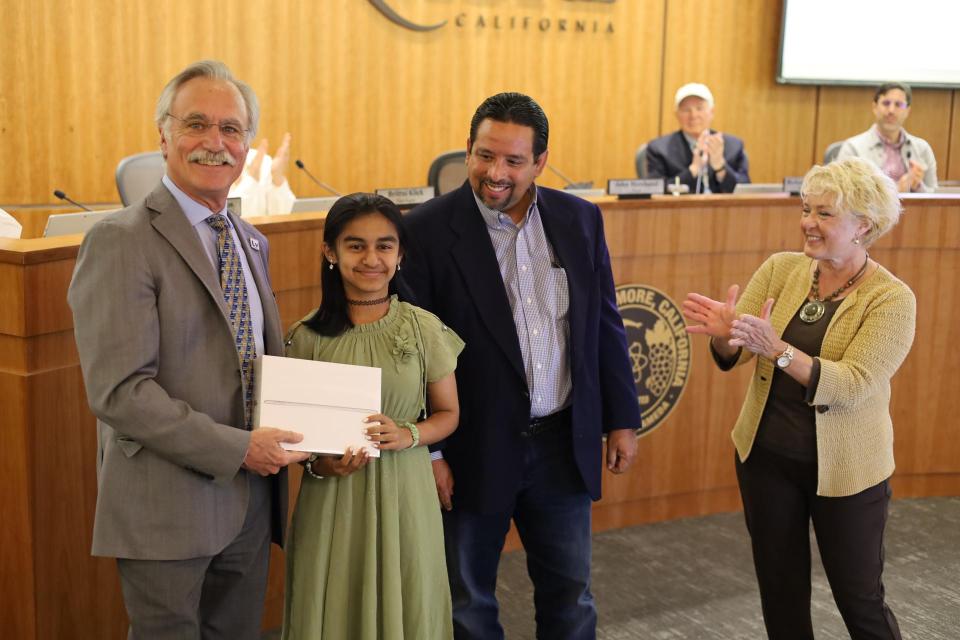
[216, 70]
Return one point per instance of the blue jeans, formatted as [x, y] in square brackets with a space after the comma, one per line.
[552, 514]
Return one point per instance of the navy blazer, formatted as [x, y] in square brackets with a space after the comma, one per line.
[450, 268]
[670, 156]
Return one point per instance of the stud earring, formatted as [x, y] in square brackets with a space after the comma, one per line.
[856, 241]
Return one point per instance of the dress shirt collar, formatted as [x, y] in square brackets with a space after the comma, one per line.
[196, 213]
[497, 219]
[880, 140]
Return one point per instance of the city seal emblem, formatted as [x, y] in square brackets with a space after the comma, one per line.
[659, 349]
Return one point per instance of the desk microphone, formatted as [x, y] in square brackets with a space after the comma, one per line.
[300, 166]
[63, 196]
[570, 184]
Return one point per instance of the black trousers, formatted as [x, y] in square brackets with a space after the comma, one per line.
[779, 500]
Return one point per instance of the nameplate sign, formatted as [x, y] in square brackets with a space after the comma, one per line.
[408, 196]
[792, 185]
[637, 188]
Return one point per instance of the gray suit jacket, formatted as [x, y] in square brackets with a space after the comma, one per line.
[162, 376]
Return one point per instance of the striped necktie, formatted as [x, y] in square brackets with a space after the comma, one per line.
[234, 287]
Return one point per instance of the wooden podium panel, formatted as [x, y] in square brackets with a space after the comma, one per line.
[52, 588]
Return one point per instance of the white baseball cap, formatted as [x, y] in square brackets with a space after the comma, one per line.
[693, 89]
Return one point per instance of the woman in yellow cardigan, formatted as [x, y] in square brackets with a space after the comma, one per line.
[829, 327]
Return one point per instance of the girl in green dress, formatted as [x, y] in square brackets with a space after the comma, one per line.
[365, 554]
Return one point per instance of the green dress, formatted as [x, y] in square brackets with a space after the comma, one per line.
[365, 556]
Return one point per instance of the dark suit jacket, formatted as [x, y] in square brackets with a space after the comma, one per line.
[451, 269]
[670, 156]
[162, 376]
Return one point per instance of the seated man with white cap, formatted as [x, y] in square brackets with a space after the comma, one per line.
[705, 160]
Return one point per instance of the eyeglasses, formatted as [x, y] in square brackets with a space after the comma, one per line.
[195, 126]
[899, 104]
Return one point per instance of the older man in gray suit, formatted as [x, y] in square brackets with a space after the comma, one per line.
[172, 304]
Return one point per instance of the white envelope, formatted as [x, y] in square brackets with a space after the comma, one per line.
[326, 402]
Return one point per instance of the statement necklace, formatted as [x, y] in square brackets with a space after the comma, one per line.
[814, 309]
[369, 303]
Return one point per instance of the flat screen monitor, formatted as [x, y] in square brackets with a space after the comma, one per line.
[65, 224]
[758, 187]
[302, 205]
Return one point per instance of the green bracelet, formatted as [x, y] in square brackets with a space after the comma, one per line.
[414, 431]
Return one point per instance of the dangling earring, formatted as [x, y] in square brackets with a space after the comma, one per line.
[398, 266]
[331, 266]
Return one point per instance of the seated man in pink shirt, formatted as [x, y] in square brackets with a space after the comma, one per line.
[906, 159]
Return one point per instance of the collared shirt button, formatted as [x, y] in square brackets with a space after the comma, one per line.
[529, 300]
[523, 267]
[539, 366]
[536, 332]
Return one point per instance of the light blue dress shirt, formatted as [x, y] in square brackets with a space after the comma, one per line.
[536, 285]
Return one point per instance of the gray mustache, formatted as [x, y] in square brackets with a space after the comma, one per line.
[212, 157]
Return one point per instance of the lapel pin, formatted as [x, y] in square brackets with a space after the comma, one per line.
[254, 244]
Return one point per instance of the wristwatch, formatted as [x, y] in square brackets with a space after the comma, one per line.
[784, 359]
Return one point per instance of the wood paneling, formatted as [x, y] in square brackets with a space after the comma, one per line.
[18, 615]
[368, 103]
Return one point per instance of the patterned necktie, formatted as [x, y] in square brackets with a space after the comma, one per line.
[234, 287]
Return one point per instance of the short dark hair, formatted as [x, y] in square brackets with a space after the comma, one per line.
[518, 109]
[890, 86]
[332, 318]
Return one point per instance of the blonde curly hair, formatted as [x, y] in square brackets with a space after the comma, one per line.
[860, 189]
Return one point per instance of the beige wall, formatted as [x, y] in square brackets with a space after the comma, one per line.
[369, 103]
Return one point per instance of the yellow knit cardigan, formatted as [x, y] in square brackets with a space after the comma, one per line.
[866, 341]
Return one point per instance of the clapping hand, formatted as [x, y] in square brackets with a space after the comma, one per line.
[714, 145]
[756, 334]
[913, 178]
[281, 161]
[711, 317]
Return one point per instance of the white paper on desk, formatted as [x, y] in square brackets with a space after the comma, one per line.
[326, 402]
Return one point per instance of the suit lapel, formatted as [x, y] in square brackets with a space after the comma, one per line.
[474, 256]
[172, 224]
[683, 147]
[572, 255]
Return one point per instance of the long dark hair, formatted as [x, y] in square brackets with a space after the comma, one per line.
[332, 318]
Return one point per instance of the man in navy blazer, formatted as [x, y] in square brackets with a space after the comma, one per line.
[703, 159]
[522, 274]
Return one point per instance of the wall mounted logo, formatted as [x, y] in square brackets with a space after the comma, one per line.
[523, 21]
[396, 18]
[659, 350]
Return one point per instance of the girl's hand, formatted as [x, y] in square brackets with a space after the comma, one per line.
[387, 436]
[352, 460]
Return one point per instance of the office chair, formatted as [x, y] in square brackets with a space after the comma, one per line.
[641, 160]
[447, 171]
[833, 150]
[138, 175]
